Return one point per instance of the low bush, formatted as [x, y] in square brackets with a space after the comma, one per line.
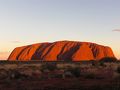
[118, 69]
[15, 74]
[94, 63]
[108, 59]
[90, 76]
[102, 64]
[3, 74]
[76, 72]
[50, 67]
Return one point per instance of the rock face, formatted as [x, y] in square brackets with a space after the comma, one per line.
[61, 50]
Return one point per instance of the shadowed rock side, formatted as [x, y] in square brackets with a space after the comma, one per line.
[61, 50]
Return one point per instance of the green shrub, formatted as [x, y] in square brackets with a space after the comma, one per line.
[102, 64]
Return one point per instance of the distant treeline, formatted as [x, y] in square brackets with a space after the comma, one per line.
[107, 59]
[38, 62]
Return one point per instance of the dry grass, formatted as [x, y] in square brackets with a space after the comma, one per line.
[36, 76]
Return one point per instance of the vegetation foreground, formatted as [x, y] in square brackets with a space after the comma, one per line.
[60, 76]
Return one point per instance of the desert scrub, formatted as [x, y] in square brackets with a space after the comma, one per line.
[50, 67]
[90, 76]
[94, 63]
[118, 69]
[32, 67]
[108, 59]
[3, 74]
[76, 71]
[102, 64]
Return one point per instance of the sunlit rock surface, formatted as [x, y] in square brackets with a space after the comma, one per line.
[61, 51]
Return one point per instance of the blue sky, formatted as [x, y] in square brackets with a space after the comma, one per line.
[25, 22]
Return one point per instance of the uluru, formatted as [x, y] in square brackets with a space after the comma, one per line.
[61, 51]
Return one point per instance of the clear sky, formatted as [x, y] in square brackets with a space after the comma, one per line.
[25, 22]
